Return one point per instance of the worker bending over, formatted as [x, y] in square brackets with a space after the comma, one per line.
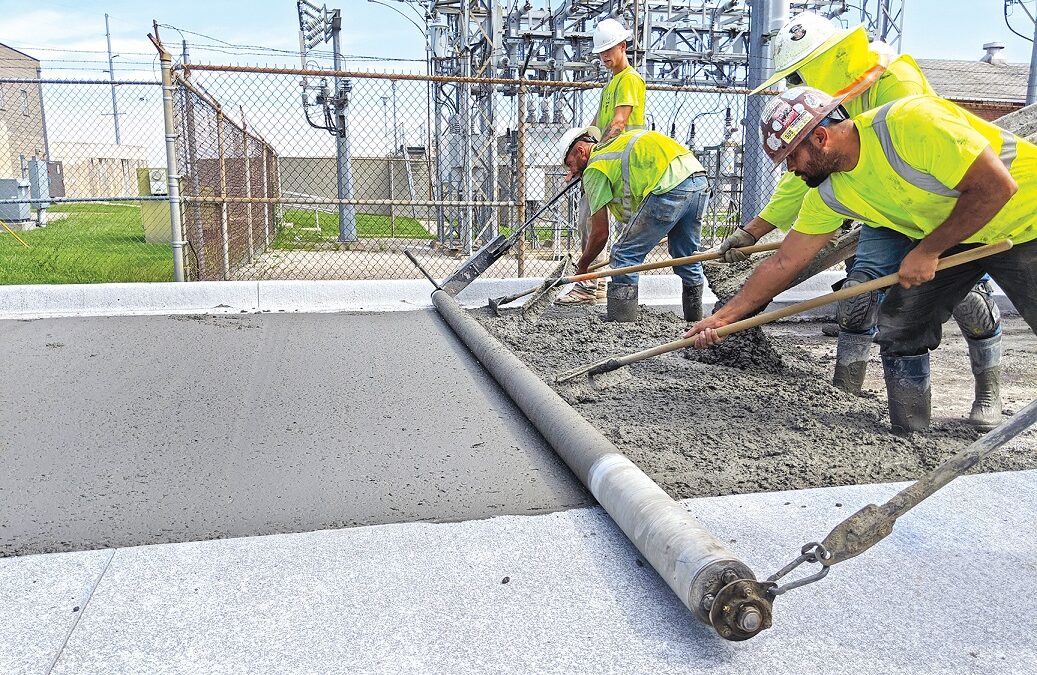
[655, 188]
[621, 108]
[809, 50]
[922, 167]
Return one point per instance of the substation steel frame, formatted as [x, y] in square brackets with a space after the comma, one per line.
[692, 43]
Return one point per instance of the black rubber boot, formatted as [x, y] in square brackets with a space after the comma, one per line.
[621, 302]
[691, 299]
[907, 386]
[985, 356]
[851, 361]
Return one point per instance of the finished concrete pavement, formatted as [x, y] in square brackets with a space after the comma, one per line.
[950, 591]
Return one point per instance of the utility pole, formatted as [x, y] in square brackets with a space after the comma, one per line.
[346, 212]
[1031, 82]
[758, 177]
[317, 25]
[111, 75]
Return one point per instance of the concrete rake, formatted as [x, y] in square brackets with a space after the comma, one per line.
[616, 362]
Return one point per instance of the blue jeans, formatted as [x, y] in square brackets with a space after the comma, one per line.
[676, 214]
[879, 252]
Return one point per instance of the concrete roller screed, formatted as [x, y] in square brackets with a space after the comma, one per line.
[707, 577]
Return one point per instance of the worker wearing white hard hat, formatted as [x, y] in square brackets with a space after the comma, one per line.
[810, 50]
[621, 108]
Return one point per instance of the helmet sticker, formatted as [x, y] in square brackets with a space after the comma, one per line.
[797, 126]
[773, 142]
[797, 32]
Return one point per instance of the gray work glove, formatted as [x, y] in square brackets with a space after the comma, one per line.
[735, 240]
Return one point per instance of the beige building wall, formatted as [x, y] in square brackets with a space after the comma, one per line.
[371, 180]
[100, 169]
[21, 112]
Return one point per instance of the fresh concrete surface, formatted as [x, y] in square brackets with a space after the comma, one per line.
[121, 431]
[233, 297]
[951, 591]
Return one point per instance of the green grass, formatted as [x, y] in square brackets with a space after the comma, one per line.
[97, 243]
[302, 235]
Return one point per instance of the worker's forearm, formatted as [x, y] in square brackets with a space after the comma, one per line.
[758, 227]
[595, 244]
[617, 125]
[974, 209]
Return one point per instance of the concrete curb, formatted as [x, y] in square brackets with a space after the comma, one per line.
[233, 297]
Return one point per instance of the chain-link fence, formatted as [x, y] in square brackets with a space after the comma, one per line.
[219, 159]
[76, 198]
[295, 174]
[368, 165]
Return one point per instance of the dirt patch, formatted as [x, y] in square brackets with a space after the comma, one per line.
[701, 428]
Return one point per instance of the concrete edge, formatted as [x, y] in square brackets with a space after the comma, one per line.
[234, 297]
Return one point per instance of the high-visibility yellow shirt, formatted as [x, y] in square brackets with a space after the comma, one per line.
[622, 173]
[831, 72]
[626, 88]
[913, 154]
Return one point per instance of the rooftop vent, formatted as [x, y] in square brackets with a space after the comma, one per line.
[993, 54]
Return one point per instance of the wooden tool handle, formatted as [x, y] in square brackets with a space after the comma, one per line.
[672, 262]
[616, 362]
[866, 287]
[842, 293]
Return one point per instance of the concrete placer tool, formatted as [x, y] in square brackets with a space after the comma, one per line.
[493, 251]
[872, 524]
[551, 288]
[614, 363]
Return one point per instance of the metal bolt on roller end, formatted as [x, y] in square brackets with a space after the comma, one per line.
[741, 610]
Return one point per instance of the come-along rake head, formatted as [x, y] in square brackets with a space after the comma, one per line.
[547, 293]
[496, 303]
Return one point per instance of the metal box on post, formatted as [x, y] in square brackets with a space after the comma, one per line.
[39, 183]
[154, 215]
[17, 215]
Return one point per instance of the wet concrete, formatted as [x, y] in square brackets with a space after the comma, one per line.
[703, 429]
[140, 430]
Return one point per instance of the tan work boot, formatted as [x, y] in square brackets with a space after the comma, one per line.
[588, 293]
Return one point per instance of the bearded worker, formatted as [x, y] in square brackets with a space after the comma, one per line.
[811, 51]
[922, 167]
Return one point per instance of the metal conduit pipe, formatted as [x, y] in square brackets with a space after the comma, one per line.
[707, 577]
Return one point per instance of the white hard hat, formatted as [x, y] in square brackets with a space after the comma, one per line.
[573, 135]
[609, 33]
[802, 38]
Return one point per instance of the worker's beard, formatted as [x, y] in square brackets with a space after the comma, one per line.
[819, 166]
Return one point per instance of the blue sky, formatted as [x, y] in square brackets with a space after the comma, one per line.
[934, 29]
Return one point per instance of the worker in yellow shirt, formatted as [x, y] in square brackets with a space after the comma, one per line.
[810, 50]
[655, 188]
[922, 167]
[622, 108]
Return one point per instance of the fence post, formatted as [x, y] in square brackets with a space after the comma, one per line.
[520, 177]
[248, 182]
[173, 180]
[268, 209]
[224, 216]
